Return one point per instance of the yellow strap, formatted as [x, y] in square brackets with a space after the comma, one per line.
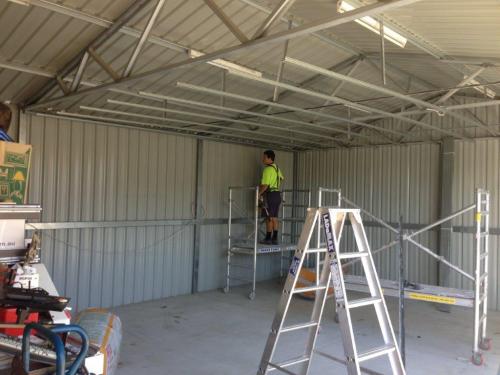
[432, 298]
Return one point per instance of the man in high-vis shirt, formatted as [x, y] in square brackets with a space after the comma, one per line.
[270, 196]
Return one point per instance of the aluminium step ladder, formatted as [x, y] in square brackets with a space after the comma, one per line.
[333, 222]
[481, 275]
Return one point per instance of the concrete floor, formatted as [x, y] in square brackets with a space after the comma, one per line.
[213, 333]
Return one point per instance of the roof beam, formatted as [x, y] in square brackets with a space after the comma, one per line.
[104, 65]
[50, 74]
[350, 104]
[191, 103]
[144, 37]
[157, 128]
[383, 90]
[227, 21]
[465, 82]
[215, 118]
[448, 95]
[125, 17]
[281, 67]
[465, 60]
[168, 125]
[79, 72]
[338, 19]
[341, 84]
[274, 16]
[337, 119]
[191, 123]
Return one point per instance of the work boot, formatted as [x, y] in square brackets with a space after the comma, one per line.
[275, 238]
[267, 240]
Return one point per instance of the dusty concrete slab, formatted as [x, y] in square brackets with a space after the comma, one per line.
[213, 333]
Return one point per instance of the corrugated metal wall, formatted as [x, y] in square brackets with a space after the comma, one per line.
[82, 172]
[477, 166]
[87, 172]
[388, 181]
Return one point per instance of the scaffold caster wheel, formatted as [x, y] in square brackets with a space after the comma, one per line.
[485, 344]
[226, 290]
[251, 296]
[477, 359]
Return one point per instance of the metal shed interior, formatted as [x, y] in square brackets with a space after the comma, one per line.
[142, 113]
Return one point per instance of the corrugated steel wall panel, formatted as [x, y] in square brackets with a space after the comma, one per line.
[388, 181]
[87, 172]
[476, 166]
[227, 165]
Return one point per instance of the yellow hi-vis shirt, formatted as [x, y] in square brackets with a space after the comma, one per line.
[272, 177]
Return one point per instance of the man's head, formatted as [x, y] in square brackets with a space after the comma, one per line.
[5, 116]
[268, 157]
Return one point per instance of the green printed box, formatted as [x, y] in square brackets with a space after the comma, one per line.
[15, 162]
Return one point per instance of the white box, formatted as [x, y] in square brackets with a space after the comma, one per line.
[27, 281]
[12, 234]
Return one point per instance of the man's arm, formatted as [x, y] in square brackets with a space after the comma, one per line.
[265, 181]
[262, 189]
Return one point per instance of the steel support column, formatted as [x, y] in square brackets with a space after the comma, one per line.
[447, 161]
[198, 209]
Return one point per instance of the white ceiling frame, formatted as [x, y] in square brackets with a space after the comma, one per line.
[190, 123]
[218, 118]
[337, 119]
[348, 103]
[383, 90]
[113, 121]
[190, 103]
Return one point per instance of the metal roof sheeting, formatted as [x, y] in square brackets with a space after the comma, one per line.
[44, 36]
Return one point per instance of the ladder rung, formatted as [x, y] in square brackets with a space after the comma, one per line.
[483, 276]
[309, 289]
[483, 234]
[240, 266]
[296, 327]
[484, 255]
[358, 254]
[236, 247]
[290, 362]
[484, 212]
[377, 352]
[239, 279]
[315, 251]
[363, 302]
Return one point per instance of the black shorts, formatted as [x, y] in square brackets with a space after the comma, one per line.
[272, 201]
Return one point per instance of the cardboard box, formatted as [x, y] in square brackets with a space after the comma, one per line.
[15, 161]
